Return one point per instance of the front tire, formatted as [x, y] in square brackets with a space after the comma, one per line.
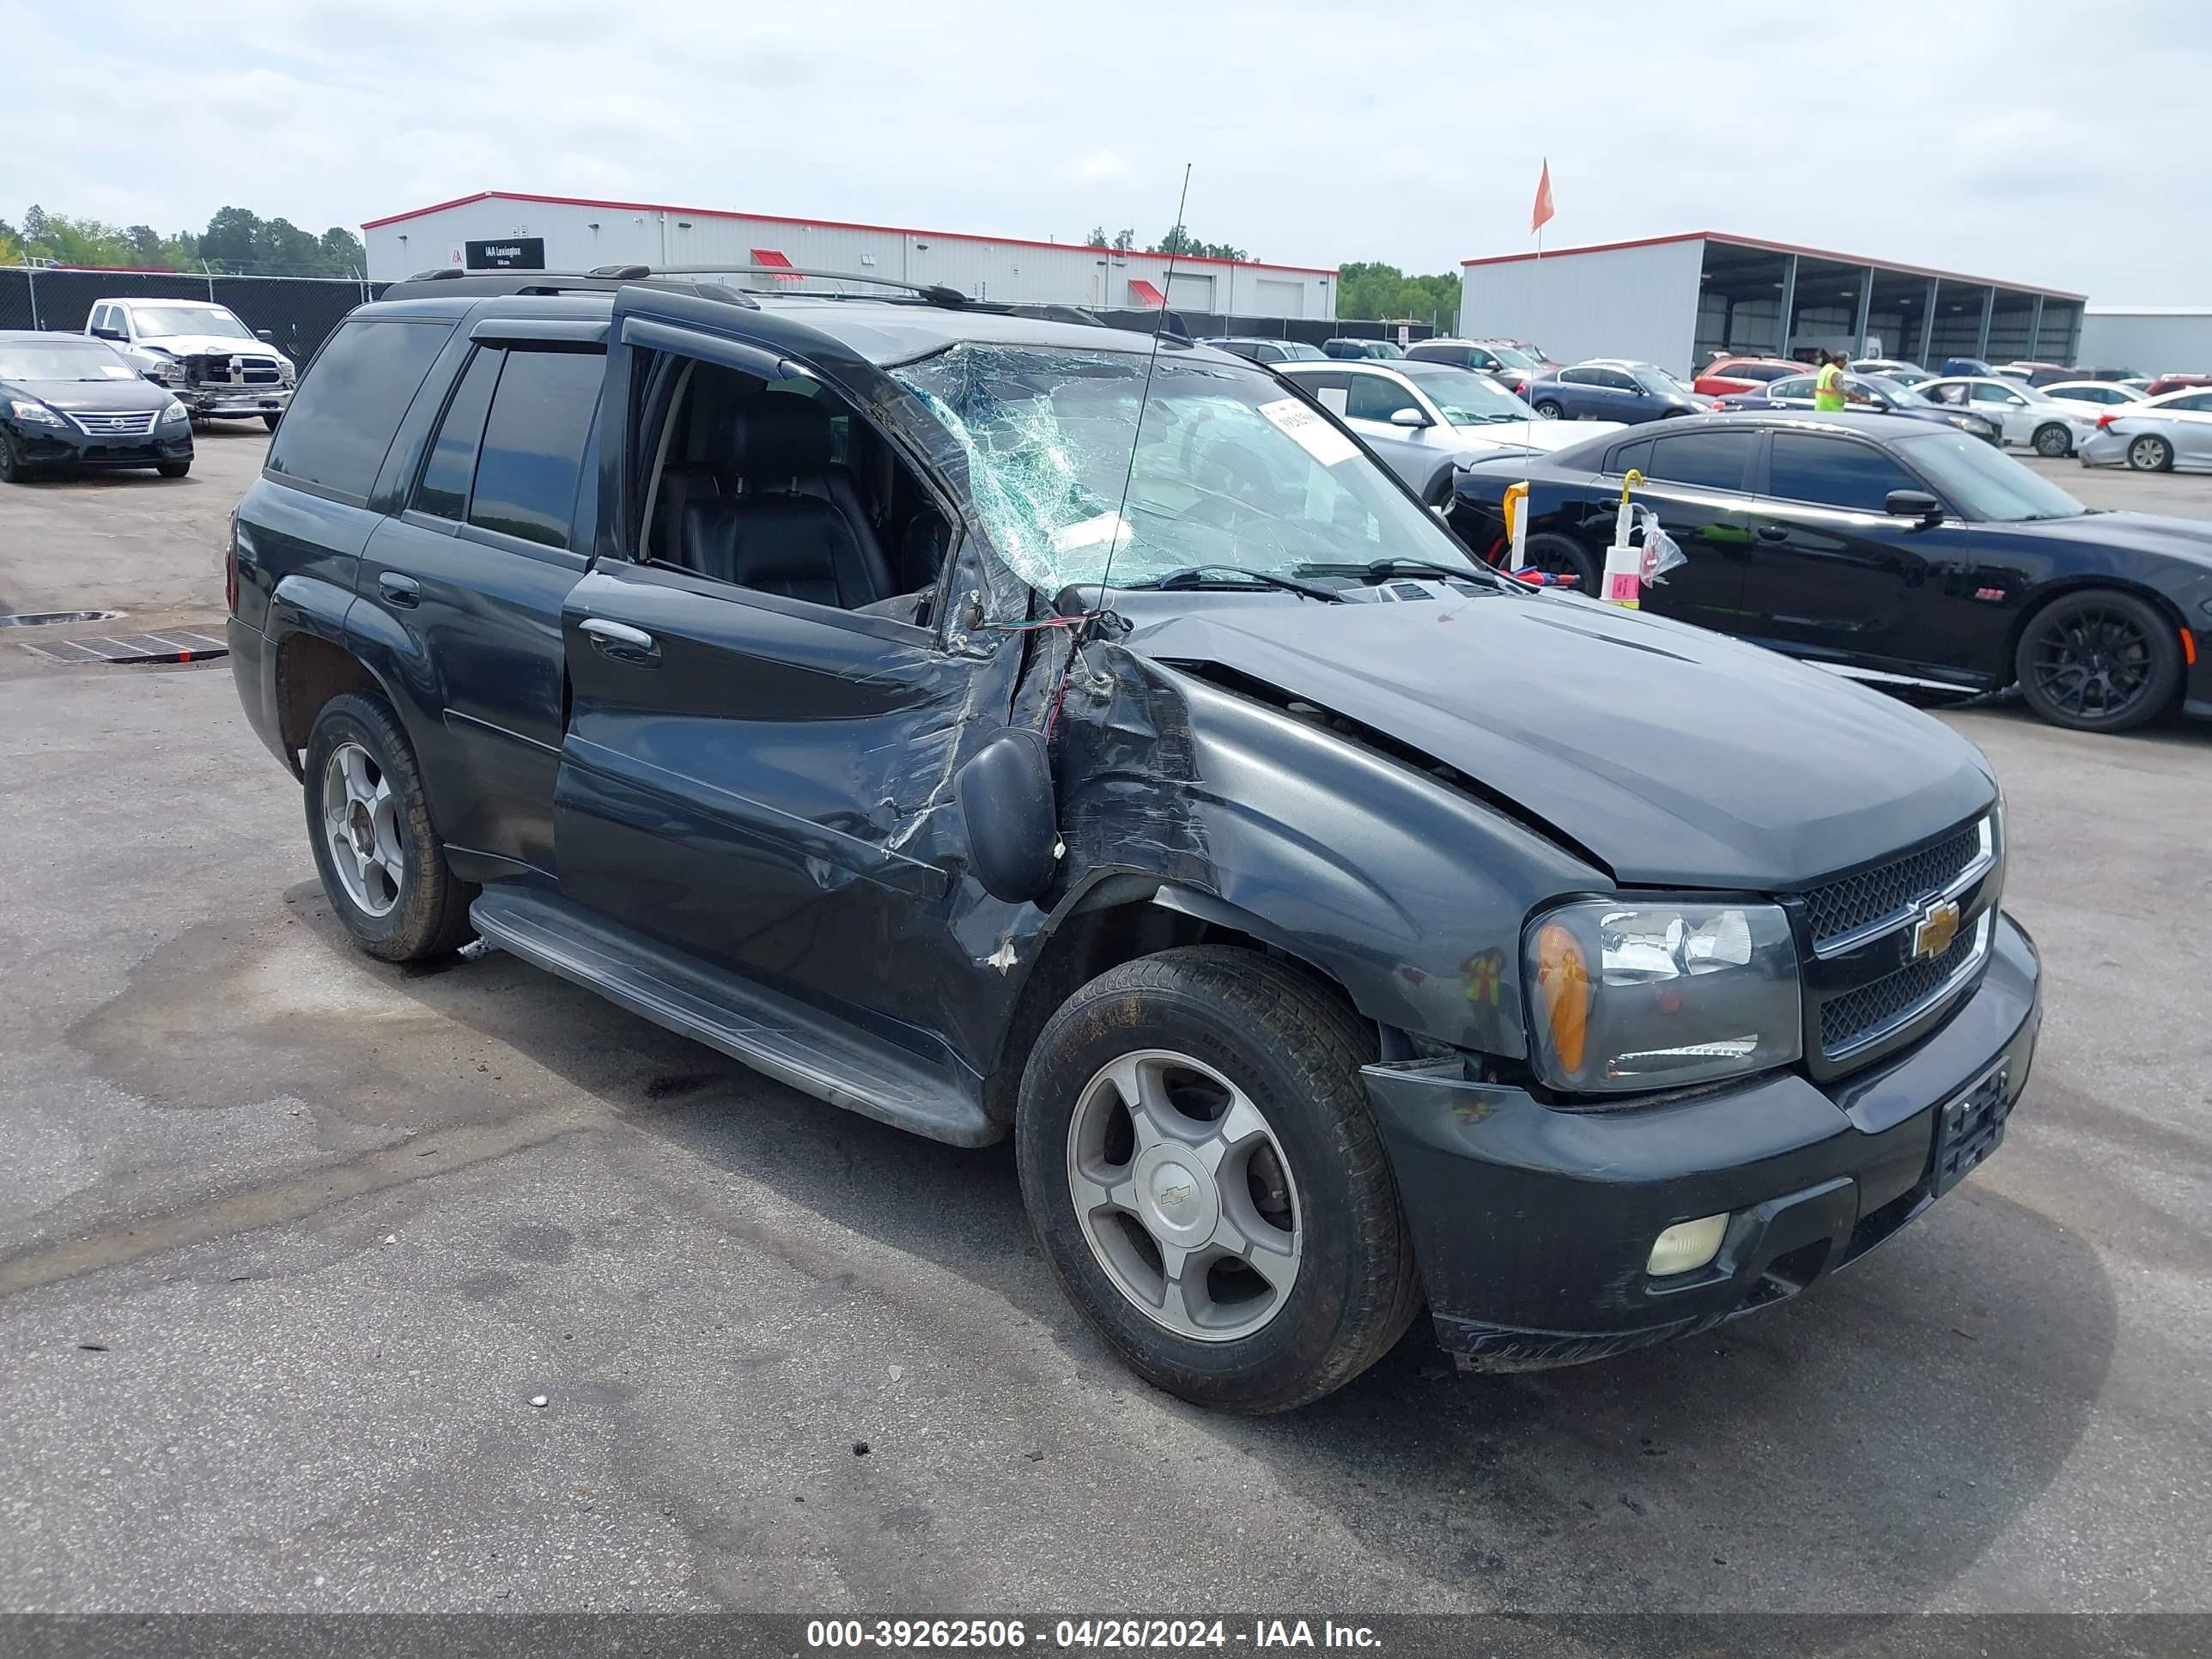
[13, 468]
[368, 822]
[1206, 1178]
[2150, 454]
[270, 421]
[2053, 441]
[173, 469]
[2098, 660]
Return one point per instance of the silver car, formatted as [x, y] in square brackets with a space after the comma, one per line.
[2158, 435]
[1424, 419]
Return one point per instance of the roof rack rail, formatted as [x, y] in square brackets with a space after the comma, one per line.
[604, 280]
[936, 293]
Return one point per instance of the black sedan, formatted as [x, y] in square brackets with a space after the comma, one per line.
[69, 402]
[1892, 551]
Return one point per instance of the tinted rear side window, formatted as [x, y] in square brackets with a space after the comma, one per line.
[1710, 461]
[349, 402]
[1832, 472]
[533, 444]
[444, 489]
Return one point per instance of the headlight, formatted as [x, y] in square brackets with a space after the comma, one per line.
[291, 374]
[175, 413]
[1637, 996]
[34, 414]
[167, 372]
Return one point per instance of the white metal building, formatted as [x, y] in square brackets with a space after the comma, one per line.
[2149, 339]
[557, 233]
[1679, 300]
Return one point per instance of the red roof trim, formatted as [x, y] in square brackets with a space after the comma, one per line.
[1146, 293]
[817, 224]
[1730, 241]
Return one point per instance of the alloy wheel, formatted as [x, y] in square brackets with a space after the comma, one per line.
[2092, 662]
[1184, 1195]
[2148, 454]
[361, 822]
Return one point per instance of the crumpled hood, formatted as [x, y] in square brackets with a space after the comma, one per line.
[193, 345]
[1679, 757]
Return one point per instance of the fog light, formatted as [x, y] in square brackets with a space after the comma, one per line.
[1686, 1245]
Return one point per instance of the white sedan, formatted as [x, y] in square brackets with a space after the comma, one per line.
[2029, 418]
[2156, 435]
[2104, 394]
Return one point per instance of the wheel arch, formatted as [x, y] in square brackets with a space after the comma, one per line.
[1117, 918]
[2059, 587]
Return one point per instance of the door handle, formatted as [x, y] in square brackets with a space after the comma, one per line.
[402, 591]
[1773, 532]
[620, 640]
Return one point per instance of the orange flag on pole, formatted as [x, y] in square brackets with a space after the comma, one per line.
[1541, 215]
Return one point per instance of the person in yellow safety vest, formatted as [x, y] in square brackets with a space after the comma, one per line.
[1830, 395]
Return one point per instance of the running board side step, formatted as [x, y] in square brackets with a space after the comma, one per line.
[774, 1036]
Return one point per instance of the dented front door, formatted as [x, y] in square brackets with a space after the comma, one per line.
[756, 782]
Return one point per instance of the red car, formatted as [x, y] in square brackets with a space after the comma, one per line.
[1727, 375]
[2167, 383]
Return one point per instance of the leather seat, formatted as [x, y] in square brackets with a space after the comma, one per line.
[793, 524]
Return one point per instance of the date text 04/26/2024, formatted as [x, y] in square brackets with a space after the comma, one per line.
[1006, 1635]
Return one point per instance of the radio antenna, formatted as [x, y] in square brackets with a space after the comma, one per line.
[1176, 240]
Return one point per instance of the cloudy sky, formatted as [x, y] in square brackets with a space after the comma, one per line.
[2062, 144]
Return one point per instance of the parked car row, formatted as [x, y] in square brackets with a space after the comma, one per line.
[1887, 549]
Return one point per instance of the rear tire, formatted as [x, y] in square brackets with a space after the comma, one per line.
[2098, 660]
[393, 891]
[1151, 1077]
[2150, 454]
[1550, 410]
[1563, 556]
[2053, 441]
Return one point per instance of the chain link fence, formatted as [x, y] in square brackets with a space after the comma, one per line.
[299, 311]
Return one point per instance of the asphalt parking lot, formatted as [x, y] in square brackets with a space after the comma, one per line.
[290, 1239]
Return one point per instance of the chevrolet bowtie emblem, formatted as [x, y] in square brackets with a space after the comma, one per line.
[1937, 926]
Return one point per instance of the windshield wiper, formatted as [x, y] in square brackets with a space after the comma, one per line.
[1381, 570]
[1212, 575]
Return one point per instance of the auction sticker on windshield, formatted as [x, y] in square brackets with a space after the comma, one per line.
[1309, 432]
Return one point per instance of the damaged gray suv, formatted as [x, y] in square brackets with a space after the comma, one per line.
[1000, 725]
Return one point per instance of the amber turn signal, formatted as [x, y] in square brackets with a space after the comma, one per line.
[1562, 986]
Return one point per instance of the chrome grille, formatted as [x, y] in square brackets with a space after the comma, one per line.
[1844, 906]
[1855, 1018]
[213, 368]
[129, 425]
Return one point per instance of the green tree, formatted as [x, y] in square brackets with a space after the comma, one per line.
[1180, 241]
[1125, 239]
[1096, 238]
[1381, 292]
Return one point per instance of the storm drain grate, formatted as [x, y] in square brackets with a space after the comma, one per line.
[47, 618]
[176, 647]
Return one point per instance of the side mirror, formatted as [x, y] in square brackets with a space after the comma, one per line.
[1409, 417]
[108, 333]
[1913, 504]
[267, 334]
[1006, 796]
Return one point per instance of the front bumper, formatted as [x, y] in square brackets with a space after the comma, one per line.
[51, 446]
[1533, 1225]
[224, 402]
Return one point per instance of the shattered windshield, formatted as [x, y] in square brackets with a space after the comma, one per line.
[1229, 470]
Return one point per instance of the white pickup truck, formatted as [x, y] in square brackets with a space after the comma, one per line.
[210, 361]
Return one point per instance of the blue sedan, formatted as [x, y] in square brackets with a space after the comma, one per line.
[1612, 389]
[1883, 396]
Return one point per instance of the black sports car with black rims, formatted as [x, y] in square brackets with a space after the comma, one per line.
[67, 402]
[1894, 551]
